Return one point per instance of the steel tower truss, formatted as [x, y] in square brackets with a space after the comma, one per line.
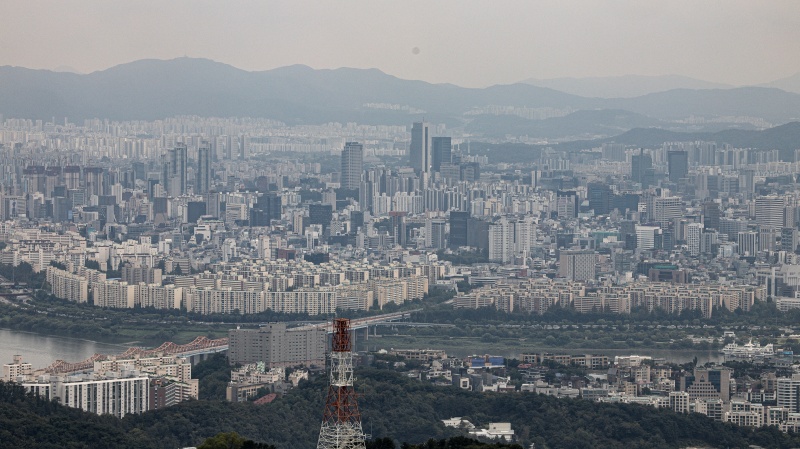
[341, 422]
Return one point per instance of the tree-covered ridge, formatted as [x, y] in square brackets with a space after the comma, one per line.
[451, 443]
[393, 406]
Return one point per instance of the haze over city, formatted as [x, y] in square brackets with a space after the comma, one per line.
[473, 44]
[382, 225]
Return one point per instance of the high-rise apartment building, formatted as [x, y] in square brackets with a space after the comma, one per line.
[509, 238]
[789, 393]
[435, 233]
[352, 165]
[419, 151]
[501, 241]
[694, 233]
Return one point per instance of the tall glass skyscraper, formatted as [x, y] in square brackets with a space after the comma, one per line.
[203, 177]
[352, 165]
[173, 174]
[419, 152]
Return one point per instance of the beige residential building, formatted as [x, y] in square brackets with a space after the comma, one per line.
[16, 369]
[277, 346]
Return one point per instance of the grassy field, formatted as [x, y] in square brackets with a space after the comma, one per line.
[512, 348]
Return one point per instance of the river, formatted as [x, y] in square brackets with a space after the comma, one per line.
[42, 350]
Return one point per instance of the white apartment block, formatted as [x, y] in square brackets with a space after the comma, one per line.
[68, 286]
[114, 294]
[124, 394]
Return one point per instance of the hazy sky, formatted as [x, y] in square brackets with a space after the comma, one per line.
[470, 43]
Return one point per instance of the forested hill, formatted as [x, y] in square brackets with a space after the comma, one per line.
[393, 406]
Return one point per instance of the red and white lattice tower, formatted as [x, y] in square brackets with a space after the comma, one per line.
[341, 422]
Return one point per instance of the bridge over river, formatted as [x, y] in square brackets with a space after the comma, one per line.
[202, 347]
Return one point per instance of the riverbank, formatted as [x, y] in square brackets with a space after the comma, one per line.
[110, 326]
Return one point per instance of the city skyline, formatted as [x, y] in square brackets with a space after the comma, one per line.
[736, 43]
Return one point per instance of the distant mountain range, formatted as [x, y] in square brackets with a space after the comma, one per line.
[154, 89]
[789, 84]
[626, 86]
[584, 124]
[784, 137]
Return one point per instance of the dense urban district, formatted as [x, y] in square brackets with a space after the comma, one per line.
[490, 292]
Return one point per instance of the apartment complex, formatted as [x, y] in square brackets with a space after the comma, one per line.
[255, 286]
[539, 295]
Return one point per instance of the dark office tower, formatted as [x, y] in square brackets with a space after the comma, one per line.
[230, 141]
[203, 176]
[320, 214]
[352, 165]
[442, 148]
[94, 180]
[470, 171]
[458, 229]
[599, 198]
[61, 209]
[356, 221]
[788, 239]
[419, 152]
[642, 168]
[711, 215]
[173, 171]
[266, 209]
[627, 234]
[139, 171]
[397, 221]
[678, 162]
[244, 147]
[478, 234]
[194, 210]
